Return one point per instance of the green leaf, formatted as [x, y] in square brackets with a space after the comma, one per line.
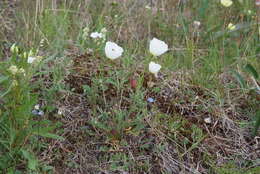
[87, 89]
[3, 78]
[47, 168]
[2, 94]
[10, 171]
[43, 128]
[50, 135]
[32, 161]
[250, 69]
[240, 79]
[257, 123]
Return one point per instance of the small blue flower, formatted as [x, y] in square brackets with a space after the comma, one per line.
[150, 100]
[37, 112]
[40, 113]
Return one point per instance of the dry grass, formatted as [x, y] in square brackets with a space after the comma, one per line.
[223, 139]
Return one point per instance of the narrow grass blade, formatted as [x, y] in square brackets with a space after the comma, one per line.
[240, 79]
[251, 70]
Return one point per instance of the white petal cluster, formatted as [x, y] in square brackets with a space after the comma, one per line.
[154, 68]
[157, 47]
[113, 51]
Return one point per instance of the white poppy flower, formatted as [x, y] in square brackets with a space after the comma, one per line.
[158, 47]
[31, 59]
[154, 68]
[96, 35]
[113, 51]
[226, 3]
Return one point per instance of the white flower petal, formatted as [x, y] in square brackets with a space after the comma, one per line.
[154, 67]
[113, 51]
[157, 47]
